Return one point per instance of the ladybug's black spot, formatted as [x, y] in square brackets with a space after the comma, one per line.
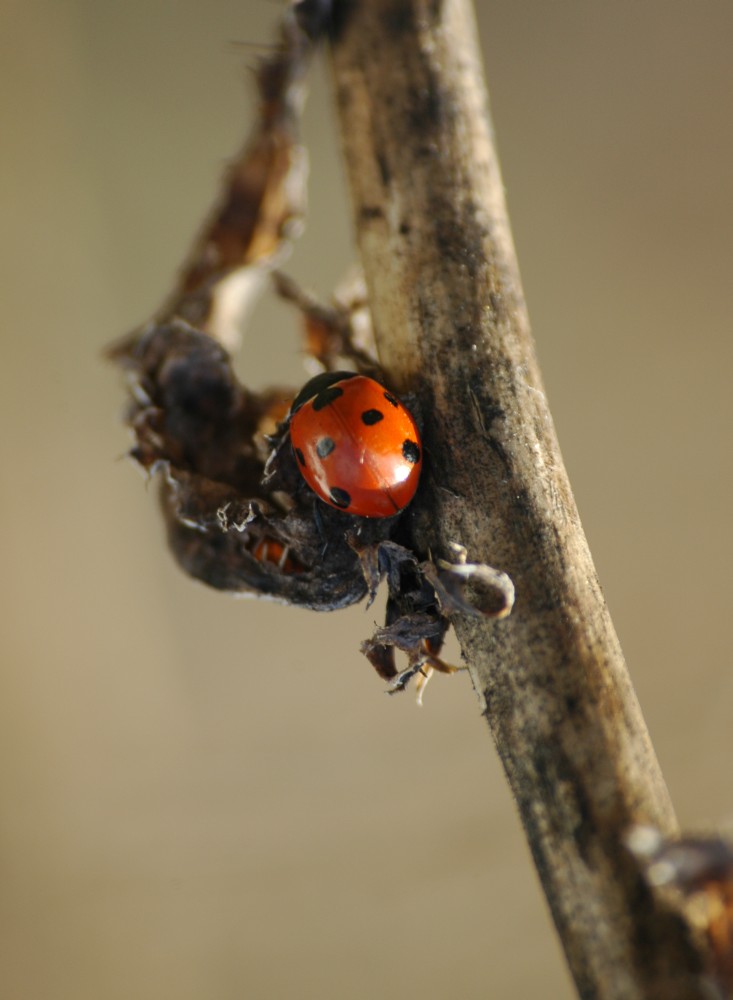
[370, 417]
[326, 397]
[391, 399]
[299, 455]
[325, 446]
[411, 452]
[340, 497]
[316, 385]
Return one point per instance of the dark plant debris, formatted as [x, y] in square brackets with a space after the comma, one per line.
[700, 869]
[238, 514]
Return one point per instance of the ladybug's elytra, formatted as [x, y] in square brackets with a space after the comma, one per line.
[356, 445]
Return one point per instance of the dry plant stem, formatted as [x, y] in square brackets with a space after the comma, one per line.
[451, 325]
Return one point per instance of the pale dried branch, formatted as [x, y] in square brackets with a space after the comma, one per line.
[451, 326]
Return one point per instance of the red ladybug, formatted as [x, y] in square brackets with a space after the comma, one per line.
[356, 445]
[274, 553]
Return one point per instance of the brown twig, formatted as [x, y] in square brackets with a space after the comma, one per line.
[451, 326]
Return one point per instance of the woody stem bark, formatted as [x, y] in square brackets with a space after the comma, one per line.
[452, 326]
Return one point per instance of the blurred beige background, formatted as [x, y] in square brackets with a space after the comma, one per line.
[208, 799]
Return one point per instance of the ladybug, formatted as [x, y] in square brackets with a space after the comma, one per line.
[356, 445]
[273, 553]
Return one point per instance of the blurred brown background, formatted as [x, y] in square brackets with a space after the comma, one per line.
[207, 799]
